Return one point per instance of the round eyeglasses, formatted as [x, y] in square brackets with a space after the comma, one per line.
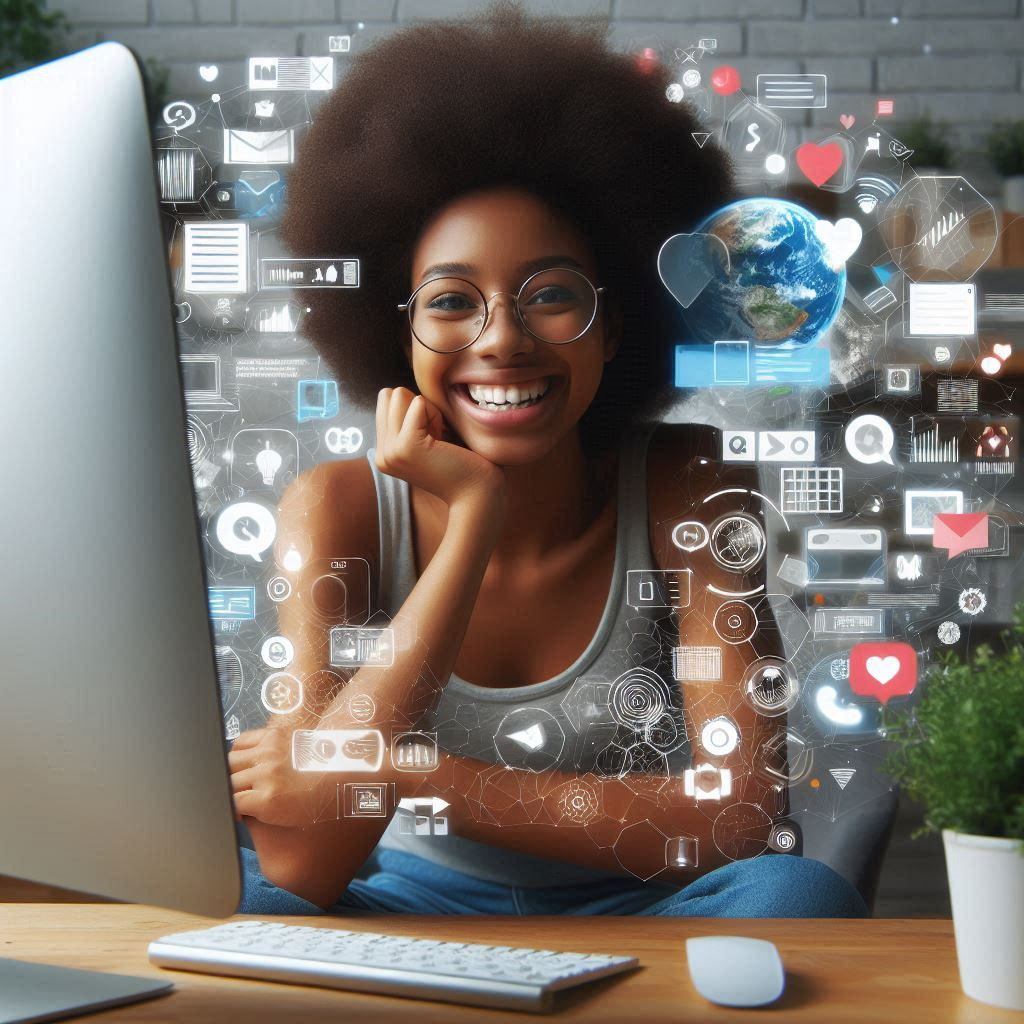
[447, 314]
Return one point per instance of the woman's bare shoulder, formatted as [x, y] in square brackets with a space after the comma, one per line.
[333, 508]
[671, 452]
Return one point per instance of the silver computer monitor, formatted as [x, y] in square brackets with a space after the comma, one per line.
[113, 775]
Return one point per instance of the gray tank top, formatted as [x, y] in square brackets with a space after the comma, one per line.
[612, 711]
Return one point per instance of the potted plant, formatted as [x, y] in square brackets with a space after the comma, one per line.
[960, 752]
[29, 34]
[1006, 151]
[930, 142]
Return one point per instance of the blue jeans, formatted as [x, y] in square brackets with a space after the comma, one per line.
[773, 885]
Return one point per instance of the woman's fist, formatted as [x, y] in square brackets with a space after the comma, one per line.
[266, 786]
[410, 446]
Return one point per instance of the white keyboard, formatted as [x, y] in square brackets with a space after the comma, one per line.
[458, 972]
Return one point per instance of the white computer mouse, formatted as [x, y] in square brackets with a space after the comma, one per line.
[735, 971]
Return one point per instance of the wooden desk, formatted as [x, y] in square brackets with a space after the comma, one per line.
[837, 971]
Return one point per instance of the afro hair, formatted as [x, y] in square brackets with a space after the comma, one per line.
[441, 109]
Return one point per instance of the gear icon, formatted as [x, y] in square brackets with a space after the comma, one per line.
[972, 601]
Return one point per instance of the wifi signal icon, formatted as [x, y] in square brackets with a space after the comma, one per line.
[872, 190]
[842, 776]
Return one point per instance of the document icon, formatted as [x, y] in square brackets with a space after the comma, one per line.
[960, 532]
[792, 90]
[298, 73]
[942, 310]
[216, 257]
[277, 147]
[658, 588]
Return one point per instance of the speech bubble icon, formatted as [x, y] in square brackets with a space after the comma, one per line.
[958, 532]
[687, 264]
[246, 528]
[869, 439]
[883, 670]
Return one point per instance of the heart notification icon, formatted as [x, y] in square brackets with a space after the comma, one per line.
[725, 80]
[883, 670]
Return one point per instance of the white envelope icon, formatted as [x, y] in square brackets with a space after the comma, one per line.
[242, 147]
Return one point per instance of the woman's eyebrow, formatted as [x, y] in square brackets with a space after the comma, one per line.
[531, 267]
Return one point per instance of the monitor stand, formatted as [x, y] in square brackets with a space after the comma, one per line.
[32, 992]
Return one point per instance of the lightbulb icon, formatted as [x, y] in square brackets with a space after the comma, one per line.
[268, 462]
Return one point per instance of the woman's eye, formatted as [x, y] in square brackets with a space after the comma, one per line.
[452, 302]
[551, 294]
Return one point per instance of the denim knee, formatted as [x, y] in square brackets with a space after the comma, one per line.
[262, 897]
[773, 885]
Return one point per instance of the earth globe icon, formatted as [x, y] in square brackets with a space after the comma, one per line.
[778, 287]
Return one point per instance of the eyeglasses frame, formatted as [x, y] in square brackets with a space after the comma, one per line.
[407, 307]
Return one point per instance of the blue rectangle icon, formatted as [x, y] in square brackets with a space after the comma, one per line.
[744, 364]
[232, 603]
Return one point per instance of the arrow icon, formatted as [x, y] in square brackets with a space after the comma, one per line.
[531, 738]
[417, 804]
[700, 138]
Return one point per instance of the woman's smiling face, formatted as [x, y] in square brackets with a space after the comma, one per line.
[496, 239]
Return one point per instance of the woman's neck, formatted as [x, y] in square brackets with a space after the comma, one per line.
[551, 503]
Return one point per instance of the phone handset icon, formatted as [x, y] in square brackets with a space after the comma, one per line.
[827, 700]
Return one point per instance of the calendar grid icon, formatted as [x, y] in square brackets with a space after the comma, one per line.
[812, 489]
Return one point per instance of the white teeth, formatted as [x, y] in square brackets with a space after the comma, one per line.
[505, 397]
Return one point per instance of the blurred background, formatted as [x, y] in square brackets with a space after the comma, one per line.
[951, 73]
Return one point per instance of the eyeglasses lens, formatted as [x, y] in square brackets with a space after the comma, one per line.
[557, 306]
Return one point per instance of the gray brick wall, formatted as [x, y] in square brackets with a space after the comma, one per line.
[959, 60]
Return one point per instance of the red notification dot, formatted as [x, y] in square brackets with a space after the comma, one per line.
[725, 80]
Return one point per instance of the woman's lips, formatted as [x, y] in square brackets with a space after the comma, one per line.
[530, 414]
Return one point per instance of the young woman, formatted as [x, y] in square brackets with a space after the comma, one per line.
[602, 747]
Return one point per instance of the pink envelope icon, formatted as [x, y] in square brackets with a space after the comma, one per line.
[960, 531]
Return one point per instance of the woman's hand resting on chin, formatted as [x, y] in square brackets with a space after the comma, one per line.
[410, 446]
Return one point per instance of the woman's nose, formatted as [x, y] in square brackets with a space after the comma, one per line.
[504, 334]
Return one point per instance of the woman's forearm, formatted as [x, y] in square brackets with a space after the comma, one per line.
[319, 860]
[638, 824]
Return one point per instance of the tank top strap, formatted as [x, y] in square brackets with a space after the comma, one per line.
[397, 574]
[632, 499]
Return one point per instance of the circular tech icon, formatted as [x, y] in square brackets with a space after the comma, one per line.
[719, 736]
[735, 622]
[638, 699]
[281, 693]
[690, 535]
[770, 687]
[279, 589]
[277, 652]
[246, 529]
[737, 542]
[579, 802]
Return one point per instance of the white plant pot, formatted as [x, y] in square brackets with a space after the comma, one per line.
[986, 887]
[1013, 194]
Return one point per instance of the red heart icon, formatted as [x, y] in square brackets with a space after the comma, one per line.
[725, 80]
[819, 163]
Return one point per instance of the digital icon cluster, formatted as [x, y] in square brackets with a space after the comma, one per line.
[854, 517]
